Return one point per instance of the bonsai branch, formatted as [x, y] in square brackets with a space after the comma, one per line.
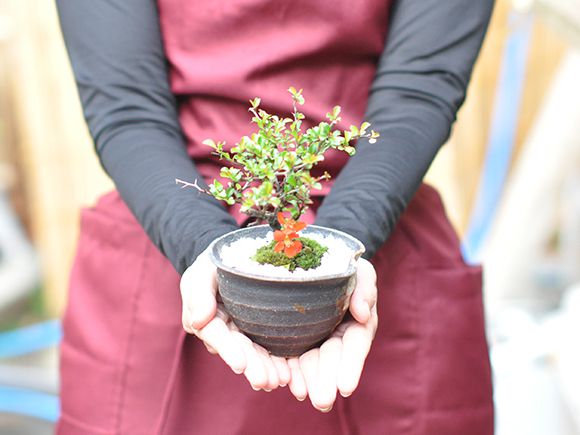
[196, 186]
[269, 171]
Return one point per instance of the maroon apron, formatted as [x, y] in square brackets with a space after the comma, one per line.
[127, 366]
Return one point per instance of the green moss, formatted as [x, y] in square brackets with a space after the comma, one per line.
[308, 258]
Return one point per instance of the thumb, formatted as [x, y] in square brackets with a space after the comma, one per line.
[364, 296]
[198, 292]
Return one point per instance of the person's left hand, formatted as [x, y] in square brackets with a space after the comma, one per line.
[204, 316]
[336, 366]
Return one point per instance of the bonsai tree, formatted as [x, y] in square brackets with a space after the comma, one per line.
[269, 174]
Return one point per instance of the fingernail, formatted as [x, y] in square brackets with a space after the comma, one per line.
[237, 371]
[301, 399]
[325, 409]
[256, 388]
[345, 394]
[283, 385]
[267, 390]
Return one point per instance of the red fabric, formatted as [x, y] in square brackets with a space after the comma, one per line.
[224, 53]
[428, 371]
[127, 367]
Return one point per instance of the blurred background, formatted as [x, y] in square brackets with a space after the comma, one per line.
[510, 178]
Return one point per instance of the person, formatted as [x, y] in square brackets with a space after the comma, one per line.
[157, 78]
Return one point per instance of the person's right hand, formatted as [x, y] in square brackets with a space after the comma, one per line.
[336, 366]
[204, 316]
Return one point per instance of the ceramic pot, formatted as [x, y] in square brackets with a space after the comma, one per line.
[285, 315]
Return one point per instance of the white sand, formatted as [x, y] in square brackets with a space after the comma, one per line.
[335, 260]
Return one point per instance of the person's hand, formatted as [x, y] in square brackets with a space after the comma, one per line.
[204, 316]
[336, 366]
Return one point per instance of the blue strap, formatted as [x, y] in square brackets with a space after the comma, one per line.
[30, 339]
[29, 403]
[502, 135]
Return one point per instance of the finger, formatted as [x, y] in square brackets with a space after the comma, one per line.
[309, 368]
[209, 348]
[356, 344]
[323, 395]
[217, 335]
[273, 379]
[283, 370]
[364, 296]
[255, 372]
[198, 291]
[297, 384]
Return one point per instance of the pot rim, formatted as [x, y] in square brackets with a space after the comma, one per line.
[349, 271]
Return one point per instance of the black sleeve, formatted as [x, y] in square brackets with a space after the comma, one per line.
[420, 84]
[119, 64]
[117, 57]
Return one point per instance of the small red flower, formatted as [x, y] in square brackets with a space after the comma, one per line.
[289, 223]
[286, 237]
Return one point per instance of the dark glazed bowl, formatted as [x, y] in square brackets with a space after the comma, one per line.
[285, 315]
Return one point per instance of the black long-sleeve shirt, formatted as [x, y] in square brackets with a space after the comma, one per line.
[119, 64]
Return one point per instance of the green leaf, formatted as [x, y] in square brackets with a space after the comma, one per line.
[248, 203]
[350, 150]
[210, 143]
[219, 187]
[291, 180]
[364, 127]
[374, 136]
[266, 189]
[230, 195]
[233, 174]
[296, 95]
